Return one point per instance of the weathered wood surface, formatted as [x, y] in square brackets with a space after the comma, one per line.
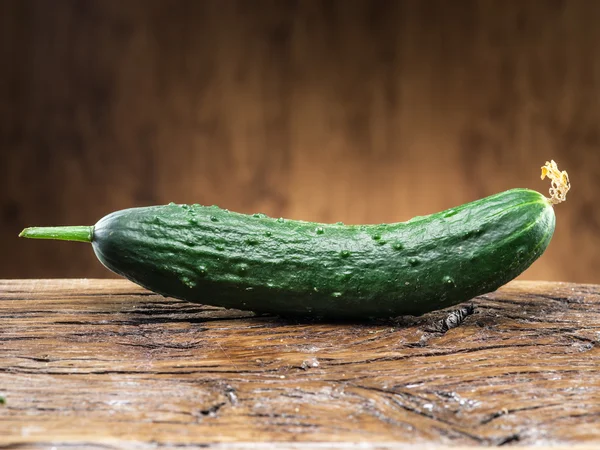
[103, 363]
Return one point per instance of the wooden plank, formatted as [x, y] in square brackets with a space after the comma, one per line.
[100, 363]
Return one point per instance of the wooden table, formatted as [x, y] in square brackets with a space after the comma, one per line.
[105, 364]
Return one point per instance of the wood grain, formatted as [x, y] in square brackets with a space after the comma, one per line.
[359, 111]
[103, 363]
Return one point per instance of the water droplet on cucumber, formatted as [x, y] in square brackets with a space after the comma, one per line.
[344, 253]
[214, 219]
[413, 261]
[281, 220]
[397, 246]
[336, 294]
[188, 282]
[268, 233]
[319, 230]
[449, 281]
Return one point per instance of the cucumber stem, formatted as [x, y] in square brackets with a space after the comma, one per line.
[78, 234]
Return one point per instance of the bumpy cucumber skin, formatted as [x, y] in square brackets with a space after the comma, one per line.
[286, 267]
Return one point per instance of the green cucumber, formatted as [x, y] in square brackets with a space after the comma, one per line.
[288, 267]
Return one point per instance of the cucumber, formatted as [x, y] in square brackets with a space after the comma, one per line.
[213, 256]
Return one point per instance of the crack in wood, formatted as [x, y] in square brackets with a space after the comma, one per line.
[397, 398]
[212, 410]
[510, 439]
[435, 353]
[506, 412]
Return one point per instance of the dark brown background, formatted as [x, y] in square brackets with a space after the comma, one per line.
[360, 111]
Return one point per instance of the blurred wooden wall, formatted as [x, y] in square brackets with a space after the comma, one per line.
[360, 111]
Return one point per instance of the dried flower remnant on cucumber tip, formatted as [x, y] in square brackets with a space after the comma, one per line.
[560, 182]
